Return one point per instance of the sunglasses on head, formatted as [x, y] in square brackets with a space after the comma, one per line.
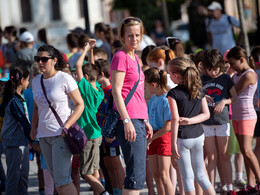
[42, 59]
[127, 20]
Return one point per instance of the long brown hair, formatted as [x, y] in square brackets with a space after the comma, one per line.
[238, 52]
[191, 77]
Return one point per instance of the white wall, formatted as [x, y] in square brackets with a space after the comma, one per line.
[10, 14]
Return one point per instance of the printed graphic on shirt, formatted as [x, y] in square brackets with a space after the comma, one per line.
[218, 88]
[213, 90]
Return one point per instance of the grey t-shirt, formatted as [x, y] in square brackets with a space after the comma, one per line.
[221, 30]
[219, 89]
[25, 58]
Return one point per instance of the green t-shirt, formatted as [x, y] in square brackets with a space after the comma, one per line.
[92, 99]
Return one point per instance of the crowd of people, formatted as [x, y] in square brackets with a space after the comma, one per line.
[188, 114]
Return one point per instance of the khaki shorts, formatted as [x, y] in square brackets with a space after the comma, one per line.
[90, 157]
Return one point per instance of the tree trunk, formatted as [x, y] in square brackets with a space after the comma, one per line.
[165, 17]
[242, 24]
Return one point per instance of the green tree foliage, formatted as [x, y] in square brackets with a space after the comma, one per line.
[149, 10]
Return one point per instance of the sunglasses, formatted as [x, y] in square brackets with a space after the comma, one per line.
[42, 59]
[128, 20]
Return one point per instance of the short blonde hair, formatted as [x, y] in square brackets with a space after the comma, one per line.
[129, 21]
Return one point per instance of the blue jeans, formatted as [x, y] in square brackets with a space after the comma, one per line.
[134, 154]
[17, 161]
[2, 172]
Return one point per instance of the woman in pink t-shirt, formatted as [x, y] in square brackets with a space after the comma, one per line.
[131, 133]
[243, 112]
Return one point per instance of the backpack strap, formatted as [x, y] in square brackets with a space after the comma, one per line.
[208, 23]
[230, 21]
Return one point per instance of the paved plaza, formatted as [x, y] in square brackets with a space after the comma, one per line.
[84, 187]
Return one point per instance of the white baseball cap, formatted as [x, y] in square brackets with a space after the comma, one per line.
[26, 37]
[215, 6]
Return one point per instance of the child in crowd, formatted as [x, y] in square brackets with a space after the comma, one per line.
[72, 43]
[159, 146]
[104, 32]
[16, 132]
[74, 58]
[3, 81]
[11, 47]
[92, 95]
[144, 54]
[188, 109]
[176, 46]
[197, 58]
[147, 96]
[28, 96]
[159, 57]
[99, 53]
[233, 146]
[243, 113]
[110, 147]
[220, 92]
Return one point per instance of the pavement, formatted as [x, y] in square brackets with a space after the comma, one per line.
[84, 187]
[33, 181]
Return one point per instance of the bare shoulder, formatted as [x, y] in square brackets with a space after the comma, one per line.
[251, 76]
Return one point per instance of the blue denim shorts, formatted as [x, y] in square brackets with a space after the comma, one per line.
[134, 155]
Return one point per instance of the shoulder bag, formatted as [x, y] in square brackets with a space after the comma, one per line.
[75, 136]
[108, 129]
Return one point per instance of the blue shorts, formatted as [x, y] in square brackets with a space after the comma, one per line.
[134, 154]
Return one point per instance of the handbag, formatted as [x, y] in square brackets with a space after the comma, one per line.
[75, 136]
[108, 129]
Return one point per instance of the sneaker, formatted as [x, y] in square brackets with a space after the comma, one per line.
[240, 183]
[223, 190]
[248, 190]
[231, 192]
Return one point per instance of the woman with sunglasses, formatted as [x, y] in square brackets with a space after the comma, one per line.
[60, 87]
[133, 129]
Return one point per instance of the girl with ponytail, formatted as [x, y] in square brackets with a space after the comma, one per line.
[243, 113]
[16, 131]
[189, 109]
[105, 33]
[159, 146]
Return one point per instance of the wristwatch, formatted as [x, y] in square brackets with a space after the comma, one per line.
[126, 120]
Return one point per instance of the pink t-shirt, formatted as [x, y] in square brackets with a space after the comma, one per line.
[136, 108]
